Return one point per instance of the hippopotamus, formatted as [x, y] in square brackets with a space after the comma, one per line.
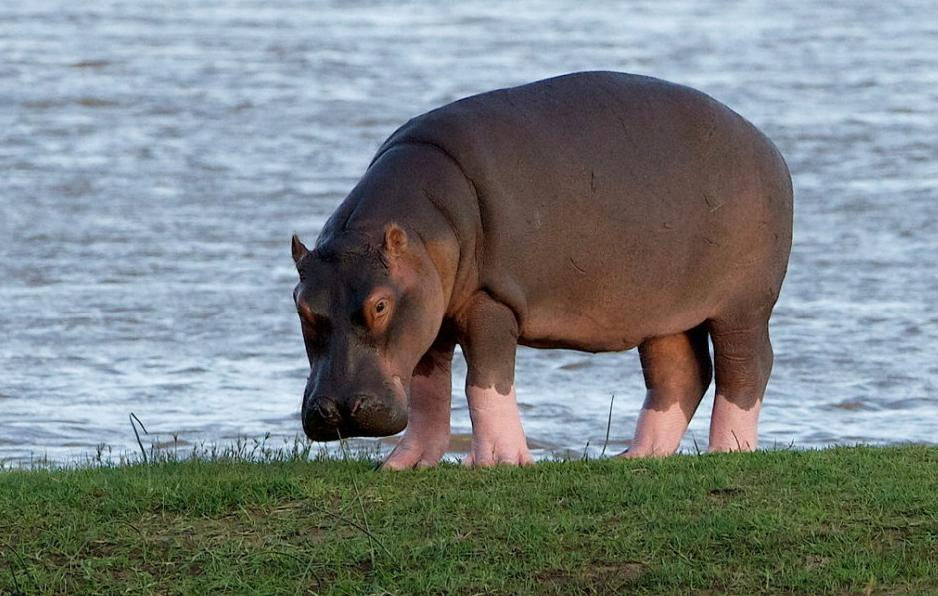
[595, 211]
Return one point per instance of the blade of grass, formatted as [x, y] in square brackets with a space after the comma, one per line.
[612, 400]
[143, 451]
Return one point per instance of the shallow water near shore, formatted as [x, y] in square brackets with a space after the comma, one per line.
[155, 164]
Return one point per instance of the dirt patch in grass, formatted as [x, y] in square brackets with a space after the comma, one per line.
[600, 577]
[813, 562]
[725, 495]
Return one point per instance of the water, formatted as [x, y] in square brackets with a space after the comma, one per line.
[155, 162]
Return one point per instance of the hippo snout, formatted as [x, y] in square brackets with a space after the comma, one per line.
[364, 415]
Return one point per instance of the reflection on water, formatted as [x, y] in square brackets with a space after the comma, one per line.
[155, 164]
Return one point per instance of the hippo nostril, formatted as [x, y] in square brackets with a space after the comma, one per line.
[328, 411]
[360, 401]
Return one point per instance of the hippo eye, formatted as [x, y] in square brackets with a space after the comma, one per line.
[376, 311]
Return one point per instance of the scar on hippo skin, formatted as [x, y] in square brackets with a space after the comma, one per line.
[594, 211]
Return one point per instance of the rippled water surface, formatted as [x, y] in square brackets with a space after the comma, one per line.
[154, 162]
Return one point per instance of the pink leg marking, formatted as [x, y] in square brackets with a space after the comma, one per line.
[497, 434]
[731, 427]
[658, 433]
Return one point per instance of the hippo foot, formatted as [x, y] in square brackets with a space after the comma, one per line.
[507, 453]
[634, 453]
[415, 453]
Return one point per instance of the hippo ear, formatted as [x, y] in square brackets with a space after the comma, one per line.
[395, 240]
[299, 250]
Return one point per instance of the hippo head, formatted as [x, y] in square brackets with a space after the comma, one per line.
[368, 312]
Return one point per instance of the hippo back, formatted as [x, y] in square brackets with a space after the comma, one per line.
[599, 190]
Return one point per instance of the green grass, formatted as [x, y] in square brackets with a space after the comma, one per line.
[846, 520]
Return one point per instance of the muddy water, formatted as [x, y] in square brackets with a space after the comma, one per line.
[155, 162]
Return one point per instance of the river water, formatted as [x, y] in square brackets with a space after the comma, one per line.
[154, 162]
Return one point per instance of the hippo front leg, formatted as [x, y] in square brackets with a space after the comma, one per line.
[489, 342]
[426, 438]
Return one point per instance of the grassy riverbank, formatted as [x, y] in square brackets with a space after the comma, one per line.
[841, 520]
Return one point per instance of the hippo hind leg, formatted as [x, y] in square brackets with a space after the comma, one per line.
[677, 372]
[743, 357]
